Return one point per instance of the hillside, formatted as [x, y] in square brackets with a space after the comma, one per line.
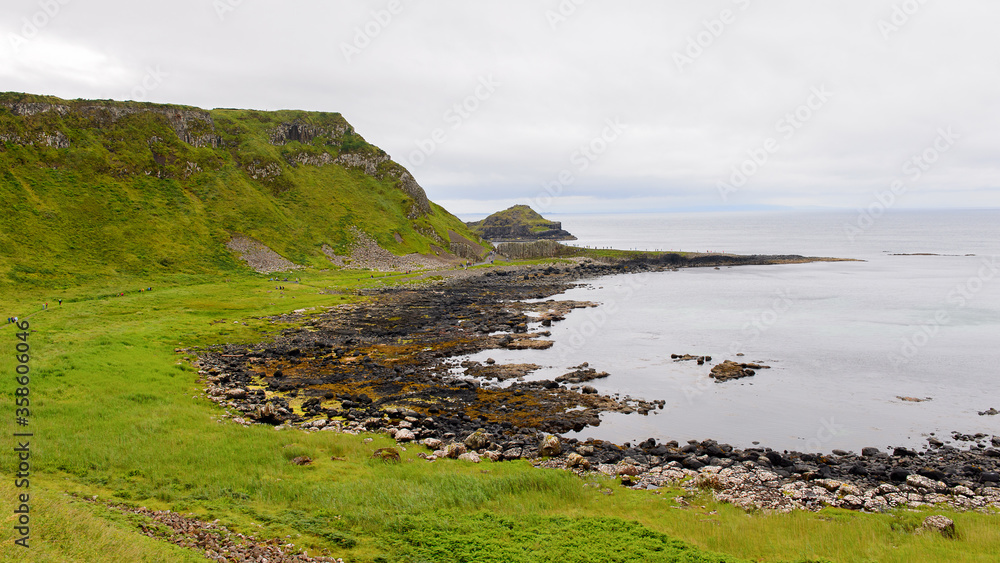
[519, 223]
[92, 189]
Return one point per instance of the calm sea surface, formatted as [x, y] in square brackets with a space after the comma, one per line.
[844, 340]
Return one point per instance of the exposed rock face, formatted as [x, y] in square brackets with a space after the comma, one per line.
[519, 224]
[258, 256]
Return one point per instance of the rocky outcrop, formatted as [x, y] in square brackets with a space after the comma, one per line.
[729, 370]
[519, 223]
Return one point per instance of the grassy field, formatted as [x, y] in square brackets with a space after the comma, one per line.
[117, 413]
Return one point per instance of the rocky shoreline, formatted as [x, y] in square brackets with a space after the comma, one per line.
[389, 365]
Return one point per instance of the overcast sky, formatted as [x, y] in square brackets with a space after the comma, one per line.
[575, 105]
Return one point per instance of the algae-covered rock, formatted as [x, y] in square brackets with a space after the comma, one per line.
[386, 455]
[550, 446]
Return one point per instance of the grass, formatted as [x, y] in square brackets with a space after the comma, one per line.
[117, 413]
[130, 198]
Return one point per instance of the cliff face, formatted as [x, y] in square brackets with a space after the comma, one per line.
[519, 223]
[129, 186]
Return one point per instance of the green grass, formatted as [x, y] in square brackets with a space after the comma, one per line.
[131, 198]
[118, 414]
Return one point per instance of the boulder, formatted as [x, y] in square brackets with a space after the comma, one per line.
[432, 443]
[405, 435]
[386, 455]
[941, 524]
[577, 460]
[478, 440]
[472, 457]
[454, 450]
[550, 447]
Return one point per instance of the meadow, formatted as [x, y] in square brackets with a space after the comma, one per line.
[118, 413]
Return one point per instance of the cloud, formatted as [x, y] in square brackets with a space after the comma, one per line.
[898, 71]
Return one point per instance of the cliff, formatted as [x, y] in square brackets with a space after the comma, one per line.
[99, 187]
[519, 223]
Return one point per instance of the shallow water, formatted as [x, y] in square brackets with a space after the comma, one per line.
[844, 339]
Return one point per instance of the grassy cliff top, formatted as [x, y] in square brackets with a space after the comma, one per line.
[97, 188]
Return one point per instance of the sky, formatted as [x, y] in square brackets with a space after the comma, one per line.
[575, 106]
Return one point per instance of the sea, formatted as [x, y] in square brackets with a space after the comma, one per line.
[898, 344]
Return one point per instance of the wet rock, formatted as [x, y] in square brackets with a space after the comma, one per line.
[730, 370]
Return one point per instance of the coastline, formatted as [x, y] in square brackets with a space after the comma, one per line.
[386, 365]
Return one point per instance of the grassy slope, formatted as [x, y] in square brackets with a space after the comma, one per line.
[80, 214]
[515, 215]
[118, 414]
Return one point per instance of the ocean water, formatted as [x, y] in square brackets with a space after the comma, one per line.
[845, 340]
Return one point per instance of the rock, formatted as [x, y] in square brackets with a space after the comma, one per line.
[577, 460]
[869, 452]
[405, 435]
[432, 443]
[550, 447]
[989, 477]
[236, 393]
[588, 390]
[454, 450]
[729, 370]
[628, 469]
[904, 452]
[898, 474]
[924, 483]
[941, 524]
[512, 453]
[302, 460]
[386, 455]
[493, 456]
[990, 412]
[478, 440]
[962, 490]
[470, 457]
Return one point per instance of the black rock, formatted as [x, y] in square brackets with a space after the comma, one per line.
[904, 452]
[869, 452]
[692, 463]
[899, 474]
[989, 477]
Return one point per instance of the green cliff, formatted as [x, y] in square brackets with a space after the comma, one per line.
[92, 189]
